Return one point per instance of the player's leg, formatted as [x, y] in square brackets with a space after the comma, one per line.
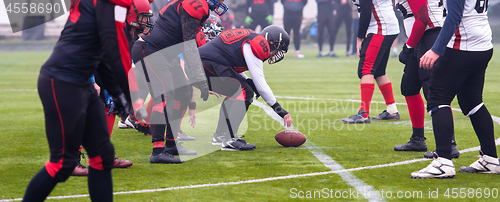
[296, 22]
[320, 34]
[183, 100]
[348, 28]
[330, 25]
[470, 98]
[64, 110]
[383, 81]
[101, 152]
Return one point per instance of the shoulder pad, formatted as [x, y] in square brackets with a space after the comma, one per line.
[260, 47]
[196, 8]
[200, 39]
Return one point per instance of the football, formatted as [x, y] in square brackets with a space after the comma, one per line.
[290, 138]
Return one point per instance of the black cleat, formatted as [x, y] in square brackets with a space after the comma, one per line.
[454, 152]
[178, 150]
[357, 118]
[415, 144]
[181, 136]
[237, 145]
[387, 116]
[164, 157]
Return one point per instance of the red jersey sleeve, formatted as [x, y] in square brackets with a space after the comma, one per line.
[196, 8]
[200, 39]
[260, 47]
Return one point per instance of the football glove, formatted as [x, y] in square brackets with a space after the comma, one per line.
[121, 106]
[405, 54]
[203, 86]
[109, 102]
[252, 85]
[248, 20]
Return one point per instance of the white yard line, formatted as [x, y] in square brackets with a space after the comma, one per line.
[338, 171]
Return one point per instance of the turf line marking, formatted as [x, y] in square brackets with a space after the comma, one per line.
[359, 185]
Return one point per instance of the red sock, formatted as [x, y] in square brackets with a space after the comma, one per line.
[366, 97]
[158, 144]
[386, 91]
[416, 109]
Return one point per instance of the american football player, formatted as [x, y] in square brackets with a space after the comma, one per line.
[458, 60]
[73, 110]
[178, 22]
[225, 60]
[378, 28]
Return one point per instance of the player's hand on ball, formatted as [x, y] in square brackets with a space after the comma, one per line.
[287, 120]
[428, 59]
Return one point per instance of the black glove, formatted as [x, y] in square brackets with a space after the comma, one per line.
[121, 107]
[405, 54]
[252, 85]
[203, 86]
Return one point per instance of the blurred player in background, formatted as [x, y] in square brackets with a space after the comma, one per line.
[378, 27]
[422, 27]
[225, 60]
[178, 22]
[458, 60]
[94, 29]
[261, 13]
[292, 20]
[343, 15]
[325, 19]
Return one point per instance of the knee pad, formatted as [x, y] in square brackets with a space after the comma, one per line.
[471, 112]
[437, 108]
[105, 157]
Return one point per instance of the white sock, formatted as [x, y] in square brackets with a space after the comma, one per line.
[392, 109]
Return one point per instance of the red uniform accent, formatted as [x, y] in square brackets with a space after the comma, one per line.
[421, 21]
[458, 38]
[386, 91]
[416, 109]
[158, 144]
[371, 53]
[201, 39]
[53, 168]
[196, 8]
[132, 81]
[159, 107]
[124, 49]
[374, 12]
[110, 120]
[366, 97]
[177, 104]
[74, 11]
[260, 47]
[96, 163]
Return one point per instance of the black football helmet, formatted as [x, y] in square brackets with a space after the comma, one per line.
[278, 41]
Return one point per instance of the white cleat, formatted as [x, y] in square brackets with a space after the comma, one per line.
[486, 165]
[439, 168]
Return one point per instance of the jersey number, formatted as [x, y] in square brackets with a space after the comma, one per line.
[481, 6]
[264, 46]
[234, 35]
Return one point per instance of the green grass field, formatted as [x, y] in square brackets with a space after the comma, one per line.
[327, 83]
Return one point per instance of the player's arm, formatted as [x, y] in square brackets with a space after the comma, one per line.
[453, 18]
[256, 69]
[192, 15]
[421, 15]
[455, 10]
[110, 17]
[365, 14]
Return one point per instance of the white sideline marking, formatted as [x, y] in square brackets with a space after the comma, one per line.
[359, 185]
[497, 142]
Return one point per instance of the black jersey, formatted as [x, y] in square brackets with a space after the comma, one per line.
[94, 29]
[168, 29]
[227, 48]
